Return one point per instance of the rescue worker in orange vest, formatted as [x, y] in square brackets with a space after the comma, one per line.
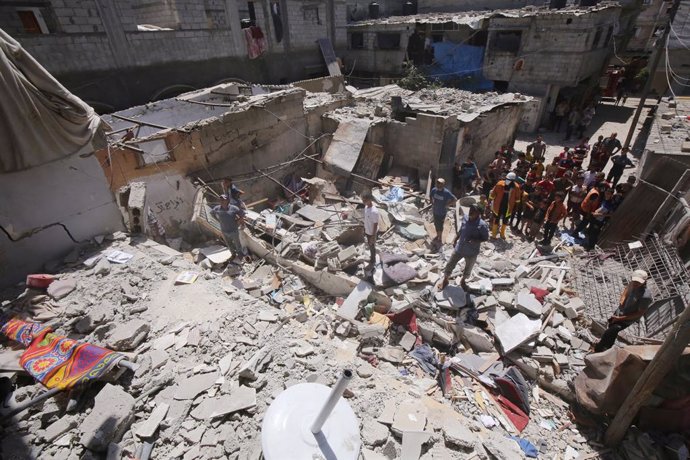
[504, 196]
[590, 204]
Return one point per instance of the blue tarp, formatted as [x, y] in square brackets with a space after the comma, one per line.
[462, 63]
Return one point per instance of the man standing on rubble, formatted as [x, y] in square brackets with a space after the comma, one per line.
[472, 233]
[635, 301]
[371, 226]
[505, 194]
[537, 148]
[231, 219]
[441, 198]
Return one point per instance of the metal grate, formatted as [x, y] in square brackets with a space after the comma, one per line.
[601, 276]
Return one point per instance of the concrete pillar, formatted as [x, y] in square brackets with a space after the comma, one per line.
[330, 20]
[117, 39]
[233, 15]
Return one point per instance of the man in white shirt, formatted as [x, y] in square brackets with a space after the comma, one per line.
[371, 226]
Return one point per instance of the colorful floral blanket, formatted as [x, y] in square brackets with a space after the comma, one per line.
[57, 361]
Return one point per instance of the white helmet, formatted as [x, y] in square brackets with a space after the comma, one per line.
[511, 177]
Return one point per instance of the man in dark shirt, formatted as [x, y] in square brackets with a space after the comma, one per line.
[620, 162]
[441, 198]
[231, 219]
[634, 303]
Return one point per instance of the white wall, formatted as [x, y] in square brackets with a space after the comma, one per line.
[72, 191]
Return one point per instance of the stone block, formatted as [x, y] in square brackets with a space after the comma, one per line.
[409, 416]
[528, 304]
[129, 335]
[506, 299]
[191, 387]
[240, 399]
[479, 340]
[407, 341]
[149, 427]
[112, 414]
[517, 330]
[457, 434]
[374, 433]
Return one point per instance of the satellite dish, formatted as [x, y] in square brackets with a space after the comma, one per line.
[311, 421]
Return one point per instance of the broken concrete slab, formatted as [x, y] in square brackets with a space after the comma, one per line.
[129, 335]
[454, 295]
[412, 442]
[407, 341]
[516, 331]
[374, 433]
[60, 289]
[267, 316]
[351, 305]
[528, 304]
[256, 364]
[506, 299]
[58, 428]
[372, 455]
[191, 387]
[500, 447]
[194, 436]
[388, 414]
[502, 282]
[149, 427]
[217, 254]
[456, 433]
[391, 354]
[164, 342]
[239, 399]
[479, 340]
[409, 416]
[345, 147]
[314, 214]
[112, 414]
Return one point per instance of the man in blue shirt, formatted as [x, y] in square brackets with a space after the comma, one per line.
[473, 232]
[620, 162]
[231, 218]
[441, 198]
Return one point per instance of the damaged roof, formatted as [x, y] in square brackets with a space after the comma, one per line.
[475, 19]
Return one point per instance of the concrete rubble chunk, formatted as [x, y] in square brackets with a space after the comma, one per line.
[102, 267]
[60, 289]
[388, 414]
[412, 442]
[506, 298]
[528, 304]
[239, 399]
[456, 433]
[479, 340]
[149, 427]
[225, 362]
[112, 414]
[521, 271]
[191, 387]
[407, 341]
[517, 330]
[164, 342]
[129, 335]
[502, 282]
[194, 436]
[256, 364]
[501, 448]
[267, 316]
[351, 305]
[58, 428]
[409, 416]
[158, 358]
[391, 354]
[372, 455]
[374, 433]
[304, 350]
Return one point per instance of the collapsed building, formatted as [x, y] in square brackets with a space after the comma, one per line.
[199, 346]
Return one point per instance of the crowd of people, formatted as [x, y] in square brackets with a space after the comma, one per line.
[536, 199]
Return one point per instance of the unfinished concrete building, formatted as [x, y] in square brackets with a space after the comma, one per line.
[116, 54]
[547, 54]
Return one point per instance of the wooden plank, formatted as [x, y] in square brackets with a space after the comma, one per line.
[329, 56]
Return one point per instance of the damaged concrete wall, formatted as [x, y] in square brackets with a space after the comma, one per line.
[417, 142]
[73, 192]
[487, 133]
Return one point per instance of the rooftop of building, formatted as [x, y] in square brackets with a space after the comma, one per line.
[670, 131]
[474, 19]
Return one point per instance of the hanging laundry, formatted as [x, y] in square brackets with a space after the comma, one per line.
[256, 41]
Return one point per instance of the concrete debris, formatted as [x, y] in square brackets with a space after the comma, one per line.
[239, 399]
[374, 433]
[256, 364]
[352, 304]
[412, 442]
[129, 335]
[149, 427]
[528, 304]
[409, 416]
[456, 433]
[60, 289]
[193, 386]
[110, 418]
[516, 331]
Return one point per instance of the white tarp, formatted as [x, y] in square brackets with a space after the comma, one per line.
[40, 120]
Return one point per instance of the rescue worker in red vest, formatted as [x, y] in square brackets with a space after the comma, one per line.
[504, 196]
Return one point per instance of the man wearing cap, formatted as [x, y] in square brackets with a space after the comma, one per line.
[473, 232]
[504, 196]
[634, 303]
[441, 198]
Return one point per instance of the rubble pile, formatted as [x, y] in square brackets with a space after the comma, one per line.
[215, 341]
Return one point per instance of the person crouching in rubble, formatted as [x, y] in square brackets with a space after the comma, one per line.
[371, 226]
[505, 194]
[467, 242]
[231, 218]
[441, 198]
[634, 303]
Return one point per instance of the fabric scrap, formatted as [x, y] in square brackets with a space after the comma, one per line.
[426, 358]
[527, 447]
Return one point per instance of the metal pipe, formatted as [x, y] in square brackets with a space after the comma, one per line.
[333, 398]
